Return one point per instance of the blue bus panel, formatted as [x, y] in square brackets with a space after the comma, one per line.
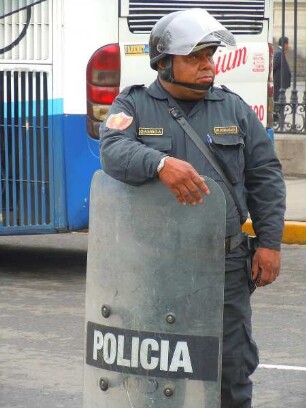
[46, 159]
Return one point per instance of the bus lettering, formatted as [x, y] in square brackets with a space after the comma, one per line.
[231, 60]
[259, 110]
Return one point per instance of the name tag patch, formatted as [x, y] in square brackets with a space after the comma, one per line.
[150, 353]
[226, 130]
[150, 131]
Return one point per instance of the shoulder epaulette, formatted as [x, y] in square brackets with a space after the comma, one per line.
[128, 89]
[226, 89]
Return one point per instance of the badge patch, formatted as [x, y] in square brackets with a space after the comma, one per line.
[227, 130]
[150, 131]
[119, 121]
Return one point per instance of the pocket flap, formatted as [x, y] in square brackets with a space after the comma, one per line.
[161, 143]
[227, 140]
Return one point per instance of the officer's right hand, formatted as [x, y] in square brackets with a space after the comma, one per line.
[184, 181]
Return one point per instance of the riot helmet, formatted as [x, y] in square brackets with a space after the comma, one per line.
[184, 32]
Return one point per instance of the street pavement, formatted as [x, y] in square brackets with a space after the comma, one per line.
[42, 298]
[279, 328]
[42, 301]
[279, 319]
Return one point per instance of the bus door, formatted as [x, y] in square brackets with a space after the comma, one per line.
[30, 156]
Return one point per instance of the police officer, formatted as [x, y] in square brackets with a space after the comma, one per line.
[141, 141]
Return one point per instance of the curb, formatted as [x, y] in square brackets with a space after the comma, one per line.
[294, 232]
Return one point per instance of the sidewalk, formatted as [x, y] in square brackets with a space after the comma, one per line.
[296, 199]
[295, 216]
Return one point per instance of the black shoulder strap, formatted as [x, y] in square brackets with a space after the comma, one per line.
[206, 152]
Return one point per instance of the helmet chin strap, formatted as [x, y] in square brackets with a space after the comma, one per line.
[167, 75]
[196, 87]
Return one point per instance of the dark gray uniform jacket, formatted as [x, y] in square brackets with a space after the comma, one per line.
[281, 74]
[233, 132]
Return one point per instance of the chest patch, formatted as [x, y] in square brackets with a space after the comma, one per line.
[150, 131]
[226, 130]
[119, 121]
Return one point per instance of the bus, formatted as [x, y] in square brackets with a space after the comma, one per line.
[247, 70]
[63, 62]
[47, 158]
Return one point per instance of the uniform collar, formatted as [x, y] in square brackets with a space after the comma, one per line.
[158, 92]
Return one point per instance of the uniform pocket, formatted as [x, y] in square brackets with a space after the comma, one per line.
[161, 143]
[228, 150]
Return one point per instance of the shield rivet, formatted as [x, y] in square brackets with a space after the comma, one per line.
[168, 392]
[103, 384]
[170, 318]
[106, 311]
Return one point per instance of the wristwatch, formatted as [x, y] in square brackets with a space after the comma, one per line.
[161, 164]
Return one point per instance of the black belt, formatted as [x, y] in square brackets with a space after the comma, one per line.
[232, 242]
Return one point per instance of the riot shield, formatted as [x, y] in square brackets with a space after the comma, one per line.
[154, 298]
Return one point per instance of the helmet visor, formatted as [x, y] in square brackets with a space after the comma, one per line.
[189, 29]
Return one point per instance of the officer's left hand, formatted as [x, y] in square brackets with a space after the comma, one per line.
[266, 262]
